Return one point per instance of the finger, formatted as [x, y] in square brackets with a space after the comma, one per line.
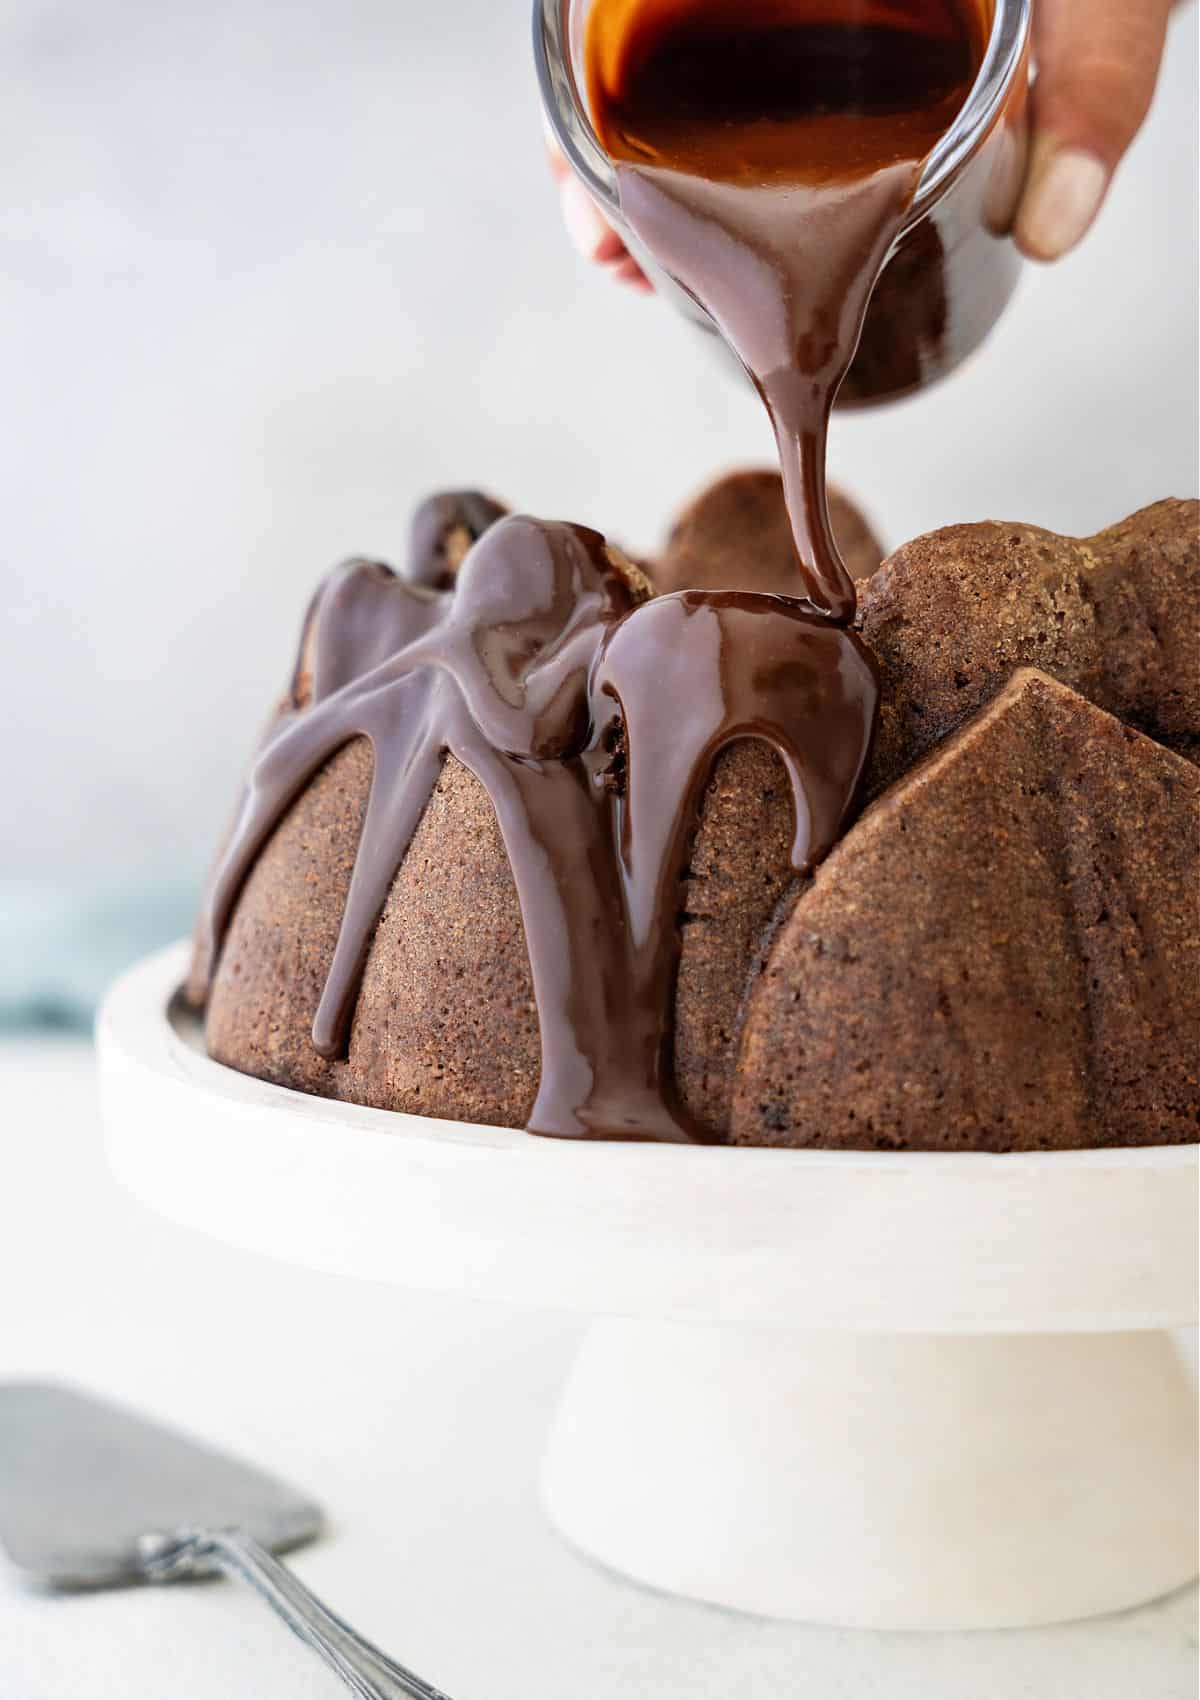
[1097, 66]
[591, 233]
[627, 270]
[587, 227]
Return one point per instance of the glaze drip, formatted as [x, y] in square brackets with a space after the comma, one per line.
[592, 719]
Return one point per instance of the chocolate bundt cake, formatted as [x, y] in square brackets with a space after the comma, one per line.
[1116, 617]
[1002, 955]
[529, 844]
[736, 535]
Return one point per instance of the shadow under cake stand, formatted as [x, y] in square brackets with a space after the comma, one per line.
[904, 1390]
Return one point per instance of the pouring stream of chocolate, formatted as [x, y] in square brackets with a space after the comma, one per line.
[766, 154]
[593, 722]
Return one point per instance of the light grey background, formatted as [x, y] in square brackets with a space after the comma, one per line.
[272, 269]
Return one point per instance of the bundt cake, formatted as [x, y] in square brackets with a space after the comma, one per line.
[736, 535]
[530, 842]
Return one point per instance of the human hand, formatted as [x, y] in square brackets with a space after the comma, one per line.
[588, 229]
[1097, 66]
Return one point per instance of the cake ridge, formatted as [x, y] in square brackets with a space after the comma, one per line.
[536, 670]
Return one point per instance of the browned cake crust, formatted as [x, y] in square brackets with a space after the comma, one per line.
[445, 1023]
[740, 871]
[280, 942]
[1116, 616]
[1004, 953]
[736, 536]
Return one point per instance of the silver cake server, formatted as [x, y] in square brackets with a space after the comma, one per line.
[93, 1496]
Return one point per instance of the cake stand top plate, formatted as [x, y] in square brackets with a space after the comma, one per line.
[894, 1242]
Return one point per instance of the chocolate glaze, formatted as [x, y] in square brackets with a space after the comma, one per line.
[908, 316]
[766, 154]
[442, 530]
[592, 720]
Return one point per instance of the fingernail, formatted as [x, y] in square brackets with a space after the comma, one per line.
[1060, 202]
[628, 271]
[595, 239]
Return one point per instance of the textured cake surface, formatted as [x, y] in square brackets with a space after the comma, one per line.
[1001, 953]
[736, 535]
[446, 1023]
[949, 617]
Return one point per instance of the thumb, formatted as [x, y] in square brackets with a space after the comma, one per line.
[1097, 66]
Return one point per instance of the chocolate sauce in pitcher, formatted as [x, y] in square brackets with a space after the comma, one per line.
[766, 155]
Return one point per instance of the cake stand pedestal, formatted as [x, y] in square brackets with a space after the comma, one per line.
[888, 1391]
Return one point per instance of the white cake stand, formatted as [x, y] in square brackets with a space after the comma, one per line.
[893, 1391]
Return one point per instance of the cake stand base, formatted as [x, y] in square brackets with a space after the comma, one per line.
[881, 1389]
[883, 1481]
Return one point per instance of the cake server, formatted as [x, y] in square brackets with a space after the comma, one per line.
[94, 1496]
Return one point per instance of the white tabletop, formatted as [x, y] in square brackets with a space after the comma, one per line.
[419, 1422]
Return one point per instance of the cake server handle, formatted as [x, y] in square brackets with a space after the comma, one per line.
[363, 1667]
